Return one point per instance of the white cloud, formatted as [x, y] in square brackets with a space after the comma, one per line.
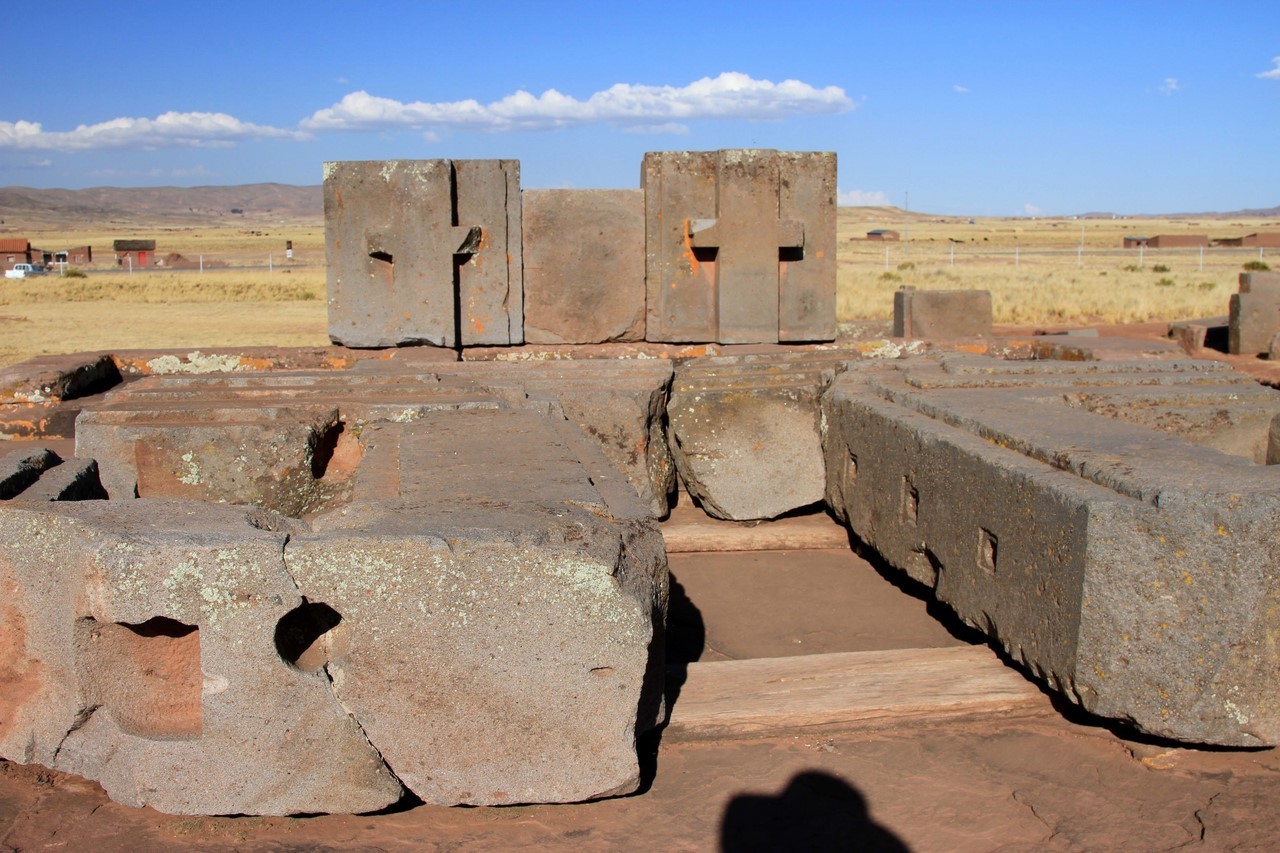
[1031, 210]
[170, 130]
[862, 198]
[962, 90]
[42, 163]
[731, 95]
[1274, 73]
[1169, 86]
[671, 127]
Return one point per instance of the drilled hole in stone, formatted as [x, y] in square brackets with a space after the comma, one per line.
[312, 635]
[988, 548]
[790, 254]
[145, 675]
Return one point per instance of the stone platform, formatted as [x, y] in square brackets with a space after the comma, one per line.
[450, 572]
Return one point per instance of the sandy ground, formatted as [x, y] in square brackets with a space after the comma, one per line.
[1039, 781]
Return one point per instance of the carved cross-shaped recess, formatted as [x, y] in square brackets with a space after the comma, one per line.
[748, 237]
[421, 251]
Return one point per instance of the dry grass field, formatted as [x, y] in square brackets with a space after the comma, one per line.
[1033, 267]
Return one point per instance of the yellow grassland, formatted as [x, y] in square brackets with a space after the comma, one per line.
[1031, 266]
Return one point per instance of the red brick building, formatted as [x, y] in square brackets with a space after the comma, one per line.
[134, 253]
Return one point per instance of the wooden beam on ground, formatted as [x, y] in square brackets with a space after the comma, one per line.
[689, 530]
[847, 690]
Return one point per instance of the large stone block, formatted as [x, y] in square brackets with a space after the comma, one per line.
[746, 431]
[941, 313]
[424, 252]
[505, 609]
[583, 266]
[1127, 567]
[740, 246]
[143, 648]
[1254, 318]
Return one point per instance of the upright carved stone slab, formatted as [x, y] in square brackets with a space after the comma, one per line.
[424, 252]
[740, 245]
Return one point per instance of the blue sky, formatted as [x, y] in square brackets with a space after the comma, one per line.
[1001, 109]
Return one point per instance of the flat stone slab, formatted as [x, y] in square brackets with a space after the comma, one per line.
[1081, 515]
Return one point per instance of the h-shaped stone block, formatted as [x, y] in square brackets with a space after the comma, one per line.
[740, 245]
[424, 252]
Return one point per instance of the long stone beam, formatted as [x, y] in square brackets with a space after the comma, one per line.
[1080, 514]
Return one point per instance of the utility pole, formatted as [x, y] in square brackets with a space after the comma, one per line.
[906, 216]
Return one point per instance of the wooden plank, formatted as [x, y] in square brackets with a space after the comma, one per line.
[847, 689]
[690, 530]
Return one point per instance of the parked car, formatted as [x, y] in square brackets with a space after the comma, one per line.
[24, 271]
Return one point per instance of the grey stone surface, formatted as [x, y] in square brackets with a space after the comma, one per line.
[619, 403]
[739, 245]
[746, 431]
[1128, 568]
[139, 652]
[583, 266]
[941, 313]
[424, 251]
[505, 607]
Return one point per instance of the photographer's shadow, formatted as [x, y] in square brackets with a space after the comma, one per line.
[816, 811]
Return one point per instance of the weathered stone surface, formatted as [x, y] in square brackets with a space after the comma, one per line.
[583, 266]
[1254, 319]
[502, 609]
[251, 453]
[21, 466]
[739, 245]
[746, 431]
[618, 403]
[1258, 282]
[424, 251]
[941, 313]
[1128, 568]
[138, 651]
[71, 480]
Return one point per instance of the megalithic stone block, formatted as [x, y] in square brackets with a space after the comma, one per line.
[146, 645]
[740, 245]
[941, 313]
[424, 252]
[1254, 318]
[1079, 515]
[584, 266]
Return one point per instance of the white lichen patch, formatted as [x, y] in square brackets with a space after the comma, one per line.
[191, 474]
[196, 362]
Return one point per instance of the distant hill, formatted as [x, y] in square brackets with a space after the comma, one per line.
[29, 207]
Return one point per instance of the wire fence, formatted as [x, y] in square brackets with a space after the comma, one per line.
[1207, 258]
